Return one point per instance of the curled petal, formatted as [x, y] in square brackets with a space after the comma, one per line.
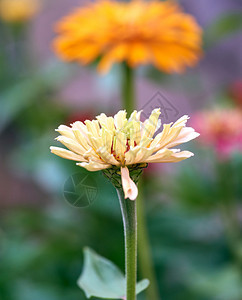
[129, 187]
[186, 134]
[170, 134]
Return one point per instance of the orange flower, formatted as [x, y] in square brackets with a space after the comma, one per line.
[136, 32]
[14, 11]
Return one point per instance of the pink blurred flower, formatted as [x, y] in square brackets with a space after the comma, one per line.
[220, 129]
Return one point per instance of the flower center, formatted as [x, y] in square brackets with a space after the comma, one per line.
[127, 146]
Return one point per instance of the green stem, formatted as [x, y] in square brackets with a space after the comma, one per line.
[145, 259]
[128, 208]
[128, 89]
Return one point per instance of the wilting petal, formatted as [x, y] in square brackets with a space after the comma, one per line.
[129, 187]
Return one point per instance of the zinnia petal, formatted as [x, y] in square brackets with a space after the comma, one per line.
[129, 187]
[176, 157]
[186, 134]
[93, 166]
[66, 154]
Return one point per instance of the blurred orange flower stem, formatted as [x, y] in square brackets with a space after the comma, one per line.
[145, 258]
[128, 89]
[144, 253]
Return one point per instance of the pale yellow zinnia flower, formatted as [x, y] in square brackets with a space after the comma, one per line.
[121, 143]
[15, 11]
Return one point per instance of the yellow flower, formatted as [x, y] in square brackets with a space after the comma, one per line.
[137, 32]
[120, 143]
[14, 11]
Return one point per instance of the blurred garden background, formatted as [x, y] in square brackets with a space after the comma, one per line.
[193, 209]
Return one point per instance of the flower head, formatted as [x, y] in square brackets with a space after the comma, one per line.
[136, 32]
[220, 129]
[123, 145]
[14, 11]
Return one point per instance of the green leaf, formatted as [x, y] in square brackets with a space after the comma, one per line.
[223, 27]
[101, 278]
[223, 284]
[21, 95]
[142, 285]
